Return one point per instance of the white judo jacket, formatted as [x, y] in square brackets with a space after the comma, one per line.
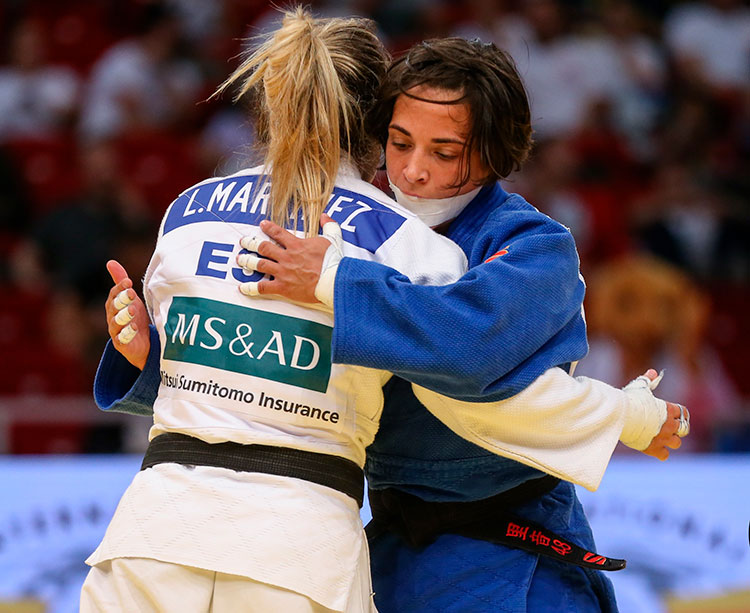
[259, 371]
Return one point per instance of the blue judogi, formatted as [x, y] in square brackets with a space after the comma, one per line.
[519, 315]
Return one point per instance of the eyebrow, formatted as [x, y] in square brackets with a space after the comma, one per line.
[441, 141]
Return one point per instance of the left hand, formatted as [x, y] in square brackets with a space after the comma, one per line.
[130, 334]
[651, 414]
[294, 263]
[667, 437]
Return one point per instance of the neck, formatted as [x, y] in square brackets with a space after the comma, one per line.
[442, 228]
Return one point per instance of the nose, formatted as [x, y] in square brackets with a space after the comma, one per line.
[415, 170]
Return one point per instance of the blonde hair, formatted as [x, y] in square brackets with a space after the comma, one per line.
[312, 84]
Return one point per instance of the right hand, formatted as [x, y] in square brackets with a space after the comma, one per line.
[666, 439]
[294, 263]
[136, 351]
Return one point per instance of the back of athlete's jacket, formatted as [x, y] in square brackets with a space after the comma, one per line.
[259, 371]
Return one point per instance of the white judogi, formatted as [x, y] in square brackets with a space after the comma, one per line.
[259, 372]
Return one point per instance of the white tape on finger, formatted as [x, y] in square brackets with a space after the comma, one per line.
[251, 243]
[123, 316]
[332, 231]
[126, 335]
[655, 383]
[250, 288]
[122, 300]
[684, 428]
[248, 261]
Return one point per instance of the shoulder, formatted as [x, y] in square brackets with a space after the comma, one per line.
[519, 232]
[377, 224]
[368, 217]
[232, 198]
[516, 214]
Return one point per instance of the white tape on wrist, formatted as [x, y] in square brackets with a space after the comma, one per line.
[123, 316]
[324, 289]
[645, 413]
[122, 300]
[126, 335]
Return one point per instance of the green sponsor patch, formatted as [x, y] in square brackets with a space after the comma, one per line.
[251, 342]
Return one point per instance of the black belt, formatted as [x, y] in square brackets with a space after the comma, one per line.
[332, 471]
[419, 522]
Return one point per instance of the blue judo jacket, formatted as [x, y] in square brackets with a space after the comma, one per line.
[514, 315]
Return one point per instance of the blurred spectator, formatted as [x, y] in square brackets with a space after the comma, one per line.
[200, 20]
[227, 141]
[486, 20]
[555, 66]
[645, 313]
[629, 68]
[710, 44]
[142, 82]
[69, 247]
[63, 259]
[553, 180]
[692, 226]
[692, 123]
[14, 210]
[37, 99]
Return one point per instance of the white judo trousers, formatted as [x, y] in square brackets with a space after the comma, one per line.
[114, 586]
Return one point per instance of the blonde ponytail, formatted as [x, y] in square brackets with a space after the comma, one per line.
[312, 84]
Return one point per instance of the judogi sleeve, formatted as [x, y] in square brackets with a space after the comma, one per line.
[122, 388]
[485, 337]
[118, 385]
[564, 426]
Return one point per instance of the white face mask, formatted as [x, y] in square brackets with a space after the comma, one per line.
[434, 211]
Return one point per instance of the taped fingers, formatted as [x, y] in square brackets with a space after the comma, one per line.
[653, 384]
[248, 261]
[123, 316]
[251, 263]
[646, 381]
[251, 243]
[127, 334]
[122, 300]
[250, 288]
[683, 429]
[332, 231]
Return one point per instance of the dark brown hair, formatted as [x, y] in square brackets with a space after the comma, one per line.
[485, 79]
